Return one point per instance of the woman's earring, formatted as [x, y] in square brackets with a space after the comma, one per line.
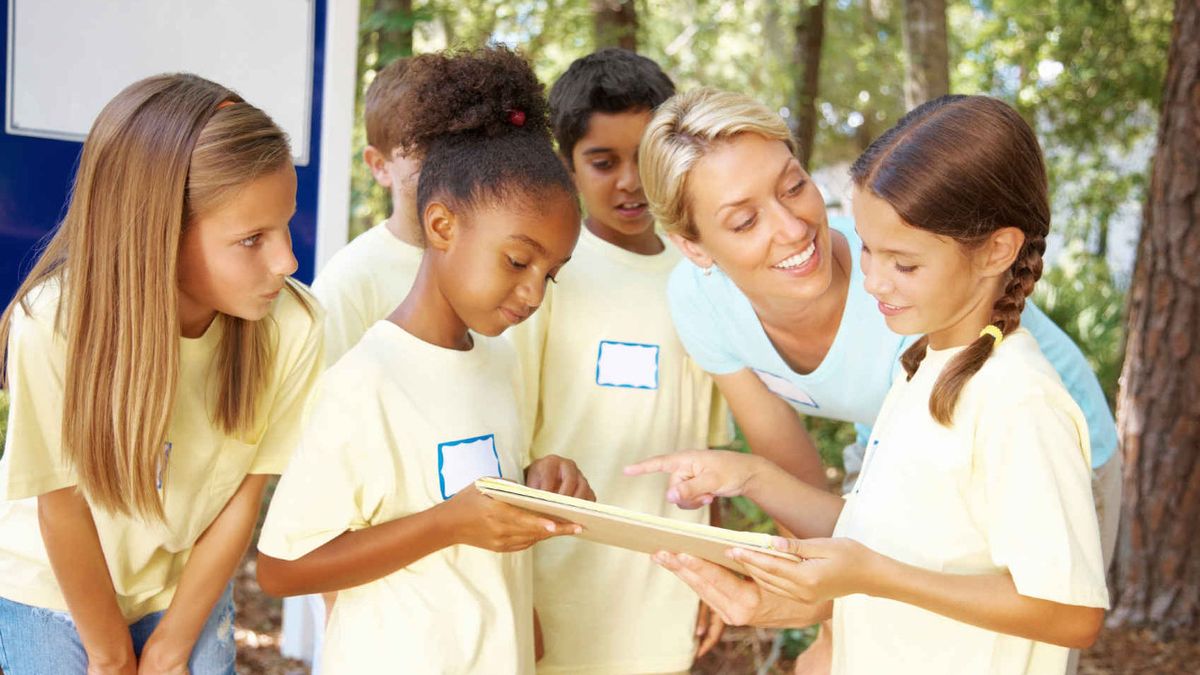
[708, 271]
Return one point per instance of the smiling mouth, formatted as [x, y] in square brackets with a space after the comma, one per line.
[514, 317]
[631, 206]
[798, 259]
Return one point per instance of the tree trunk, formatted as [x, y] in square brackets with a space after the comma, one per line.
[615, 23]
[395, 40]
[928, 74]
[1157, 566]
[806, 70]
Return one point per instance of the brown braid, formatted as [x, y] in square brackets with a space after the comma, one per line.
[1006, 315]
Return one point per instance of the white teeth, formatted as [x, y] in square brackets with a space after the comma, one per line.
[634, 205]
[798, 259]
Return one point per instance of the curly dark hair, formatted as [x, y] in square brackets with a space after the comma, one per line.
[611, 80]
[482, 130]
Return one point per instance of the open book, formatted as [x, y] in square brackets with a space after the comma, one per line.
[615, 526]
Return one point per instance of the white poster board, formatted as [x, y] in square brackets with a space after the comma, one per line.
[67, 58]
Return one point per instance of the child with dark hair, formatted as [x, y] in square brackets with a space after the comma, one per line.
[379, 503]
[608, 383]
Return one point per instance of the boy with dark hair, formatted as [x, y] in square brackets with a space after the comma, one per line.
[609, 384]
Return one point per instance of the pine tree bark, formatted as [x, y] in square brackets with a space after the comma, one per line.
[615, 23]
[1157, 564]
[928, 74]
[806, 69]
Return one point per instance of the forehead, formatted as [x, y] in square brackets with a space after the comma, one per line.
[881, 227]
[552, 224]
[738, 168]
[260, 202]
[614, 130]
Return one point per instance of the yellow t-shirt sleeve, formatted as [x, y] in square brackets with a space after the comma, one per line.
[34, 462]
[529, 341]
[345, 320]
[720, 420]
[298, 375]
[1041, 521]
[334, 483]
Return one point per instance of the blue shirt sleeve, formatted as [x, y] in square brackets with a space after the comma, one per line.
[696, 321]
[1078, 377]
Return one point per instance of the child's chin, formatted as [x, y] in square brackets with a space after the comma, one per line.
[901, 327]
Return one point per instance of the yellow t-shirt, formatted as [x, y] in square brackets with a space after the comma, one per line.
[397, 426]
[610, 384]
[1006, 488]
[361, 284]
[202, 471]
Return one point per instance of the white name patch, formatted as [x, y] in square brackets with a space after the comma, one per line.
[785, 389]
[461, 462]
[627, 364]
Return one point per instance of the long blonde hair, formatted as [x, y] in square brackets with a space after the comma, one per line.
[165, 150]
[684, 129]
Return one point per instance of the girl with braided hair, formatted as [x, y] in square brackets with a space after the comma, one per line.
[969, 543]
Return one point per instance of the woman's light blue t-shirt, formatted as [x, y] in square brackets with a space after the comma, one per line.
[720, 330]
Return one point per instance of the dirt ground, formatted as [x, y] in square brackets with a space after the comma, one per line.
[742, 650]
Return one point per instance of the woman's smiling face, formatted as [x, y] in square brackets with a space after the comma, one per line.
[761, 220]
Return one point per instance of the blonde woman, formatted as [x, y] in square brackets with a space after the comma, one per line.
[158, 358]
[771, 301]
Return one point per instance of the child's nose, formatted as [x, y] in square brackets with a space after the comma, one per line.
[629, 180]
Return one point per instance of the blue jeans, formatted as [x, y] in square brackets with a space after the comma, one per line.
[39, 641]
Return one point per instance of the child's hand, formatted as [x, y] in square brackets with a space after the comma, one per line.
[738, 601]
[483, 522]
[700, 476]
[831, 568]
[558, 474]
[709, 628]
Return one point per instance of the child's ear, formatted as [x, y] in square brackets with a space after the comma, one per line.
[1003, 247]
[376, 161]
[440, 226]
[692, 250]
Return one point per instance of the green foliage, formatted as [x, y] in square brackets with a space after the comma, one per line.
[796, 640]
[1080, 296]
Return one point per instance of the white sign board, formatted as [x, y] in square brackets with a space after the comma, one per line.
[67, 58]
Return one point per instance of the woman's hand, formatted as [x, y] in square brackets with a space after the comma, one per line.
[740, 602]
[698, 477]
[830, 568]
[558, 474]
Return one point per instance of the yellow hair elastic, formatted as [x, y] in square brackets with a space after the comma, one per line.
[994, 331]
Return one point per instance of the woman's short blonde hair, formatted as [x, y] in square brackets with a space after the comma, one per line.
[687, 127]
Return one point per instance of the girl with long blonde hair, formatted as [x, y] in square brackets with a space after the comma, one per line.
[157, 360]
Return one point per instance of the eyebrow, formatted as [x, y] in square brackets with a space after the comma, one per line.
[887, 251]
[729, 205]
[263, 228]
[530, 241]
[597, 151]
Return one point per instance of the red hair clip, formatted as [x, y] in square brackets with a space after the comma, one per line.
[225, 104]
[516, 117]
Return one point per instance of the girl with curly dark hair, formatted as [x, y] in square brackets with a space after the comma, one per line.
[379, 503]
